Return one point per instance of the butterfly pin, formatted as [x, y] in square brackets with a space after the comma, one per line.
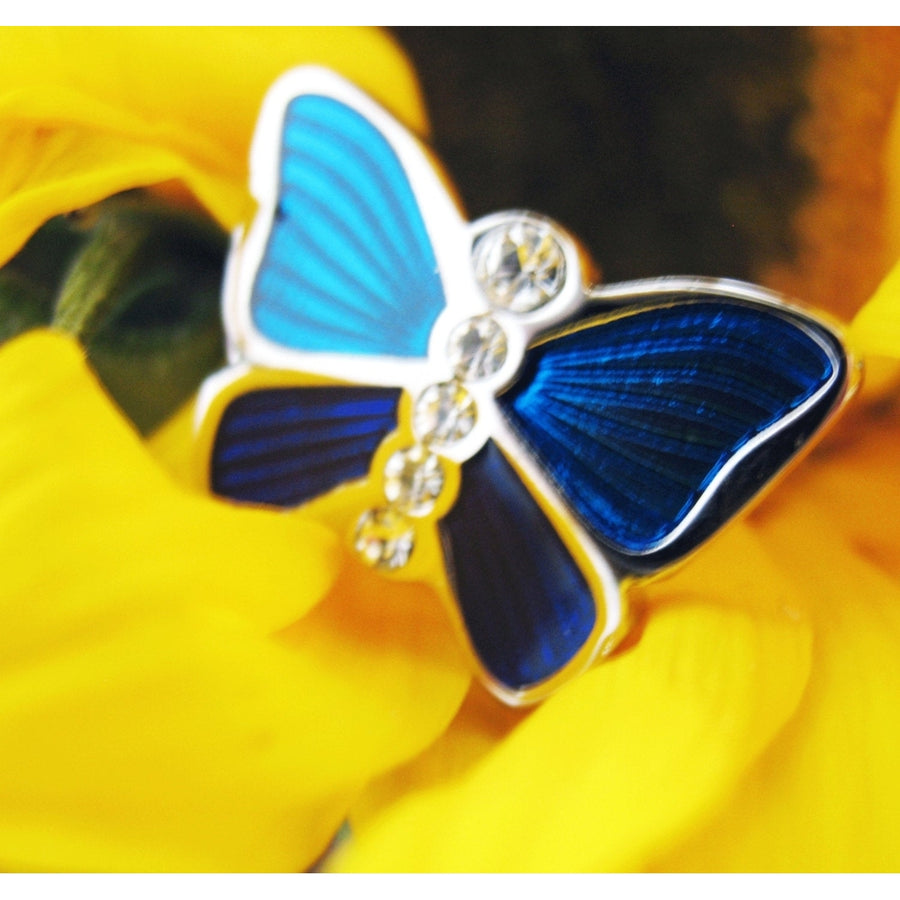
[477, 413]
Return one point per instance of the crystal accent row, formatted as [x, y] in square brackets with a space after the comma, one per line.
[521, 266]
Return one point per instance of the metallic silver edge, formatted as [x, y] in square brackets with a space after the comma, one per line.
[622, 291]
[212, 386]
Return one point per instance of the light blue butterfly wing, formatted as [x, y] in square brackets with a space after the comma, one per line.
[656, 424]
[356, 235]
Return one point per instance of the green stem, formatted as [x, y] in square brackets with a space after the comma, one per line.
[89, 293]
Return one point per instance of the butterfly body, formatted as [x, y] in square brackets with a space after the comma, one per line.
[467, 387]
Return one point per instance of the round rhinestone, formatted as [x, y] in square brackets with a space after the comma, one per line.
[520, 265]
[413, 480]
[476, 348]
[384, 538]
[444, 413]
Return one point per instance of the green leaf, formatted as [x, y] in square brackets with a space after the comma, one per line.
[138, 283]
[24, 304]
[153, 324]
[28, 282]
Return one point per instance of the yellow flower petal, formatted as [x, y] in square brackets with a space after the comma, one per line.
[170, 741]
[816, 788]
[172, 444]
[88, 112]
[826, 795]
[149, 719]
[622, 760]
[876, 327]
[81, 496]
[394, 646]
[178, 741]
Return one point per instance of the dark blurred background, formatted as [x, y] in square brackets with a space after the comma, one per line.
[666, 150]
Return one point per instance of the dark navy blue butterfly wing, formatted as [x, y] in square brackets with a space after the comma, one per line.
[348, 266]
[283, 446]
[658, 424]
[525, 603]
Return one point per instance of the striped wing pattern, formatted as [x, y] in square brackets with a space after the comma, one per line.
[348, 267]
[634, 417]
[283, 446]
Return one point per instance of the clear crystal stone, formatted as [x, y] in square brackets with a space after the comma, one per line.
[444, 413]
[476, 348]
[384, 538]
[520, 265]
[413, 480]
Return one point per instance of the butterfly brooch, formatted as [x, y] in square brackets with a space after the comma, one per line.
[474, 410]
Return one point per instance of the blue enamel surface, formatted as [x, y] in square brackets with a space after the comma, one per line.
[525, 603]
[632, 418]
[282, 446]
[348, 267]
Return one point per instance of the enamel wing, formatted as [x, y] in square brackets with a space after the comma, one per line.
[463, 395]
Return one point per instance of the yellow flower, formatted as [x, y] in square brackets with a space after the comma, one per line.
[179, 688]
[185, 685]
